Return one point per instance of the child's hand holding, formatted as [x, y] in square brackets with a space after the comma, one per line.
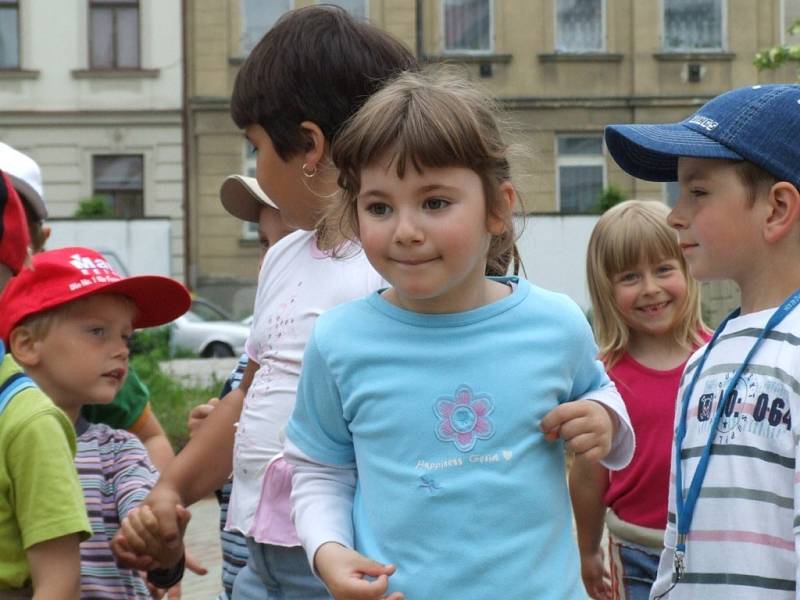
[344, 571]
[141, 543]
[587, 427]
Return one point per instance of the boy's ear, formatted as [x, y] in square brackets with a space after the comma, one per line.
[783, 211]
[25, 348]
[502, 209]
[316, 144]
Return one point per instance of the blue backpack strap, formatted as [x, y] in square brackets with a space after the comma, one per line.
[12, 386]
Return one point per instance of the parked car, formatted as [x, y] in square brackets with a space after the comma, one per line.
[208, 331]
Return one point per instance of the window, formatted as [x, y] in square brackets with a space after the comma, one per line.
[467, 25]
[9, 35]
[357, 8]
[580, 25]
[693, 25]
[249, 230]
[114, 34]
[581, 172]
[120, 180]
[257, 17]
[790, 13]
[672, 191]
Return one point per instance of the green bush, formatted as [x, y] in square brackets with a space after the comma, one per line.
[170, 400]
[95, 207]
[610, 196]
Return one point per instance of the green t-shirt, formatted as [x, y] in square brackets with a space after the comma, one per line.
[40, 495]
[127, 407]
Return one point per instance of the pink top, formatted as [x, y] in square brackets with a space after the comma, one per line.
[638, 493]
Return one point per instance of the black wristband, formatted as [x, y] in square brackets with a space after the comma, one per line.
[166, 578]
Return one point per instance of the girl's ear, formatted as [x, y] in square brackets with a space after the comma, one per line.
[502, 209]
[783, 211]
[25, 348]
[316, 146]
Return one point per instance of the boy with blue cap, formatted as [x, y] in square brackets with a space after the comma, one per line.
[733, 505]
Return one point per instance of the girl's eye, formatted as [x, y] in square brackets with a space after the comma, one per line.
[629, 277]
[378, 209]
[665, 268]
[436, 203]
[97, 331]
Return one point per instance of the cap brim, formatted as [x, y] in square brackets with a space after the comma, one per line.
[29, 195]
[651, 152]
[243, 197]
[158, 299]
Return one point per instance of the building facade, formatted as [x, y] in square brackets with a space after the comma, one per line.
[561, 69]
[91, 90]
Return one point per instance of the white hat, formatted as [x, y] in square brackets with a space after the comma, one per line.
[26, 177]
[243, 197]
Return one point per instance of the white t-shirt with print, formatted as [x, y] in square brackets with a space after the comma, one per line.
[296, 284]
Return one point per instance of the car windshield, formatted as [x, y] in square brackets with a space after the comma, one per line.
[206, 312]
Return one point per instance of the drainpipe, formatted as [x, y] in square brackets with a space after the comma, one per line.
[188, 264]
[420, 46]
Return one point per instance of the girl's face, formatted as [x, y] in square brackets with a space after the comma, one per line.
[283, 181]
[651, 296]
[427, 234]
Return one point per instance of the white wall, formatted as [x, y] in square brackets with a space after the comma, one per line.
[553, 250]
[142, 246]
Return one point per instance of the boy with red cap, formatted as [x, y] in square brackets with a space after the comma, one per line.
[42, 514]
[67, 321]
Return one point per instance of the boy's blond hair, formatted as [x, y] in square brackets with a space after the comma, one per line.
[627, 234]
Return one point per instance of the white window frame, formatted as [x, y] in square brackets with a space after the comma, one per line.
[16, 5]
[249, 230]
[364, 2]
[446, 50]
[723, 34]
[242, 17]
[784, 24]
[579, 160]
[603, 31]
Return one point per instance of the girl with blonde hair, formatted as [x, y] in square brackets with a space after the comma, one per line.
[647, 322]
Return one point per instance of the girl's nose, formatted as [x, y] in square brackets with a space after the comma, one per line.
[407, 230]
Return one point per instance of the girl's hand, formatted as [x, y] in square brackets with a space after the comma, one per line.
[198, 415]
[596, 578]
[344, 572]
[587, 428]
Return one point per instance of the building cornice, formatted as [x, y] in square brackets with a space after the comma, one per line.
[84, 118]
[533, 102]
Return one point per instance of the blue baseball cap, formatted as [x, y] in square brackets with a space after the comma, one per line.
[760, 124]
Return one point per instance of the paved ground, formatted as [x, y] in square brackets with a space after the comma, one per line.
[202, 540]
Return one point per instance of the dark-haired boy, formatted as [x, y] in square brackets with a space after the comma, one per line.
[294, 92]
[734, 507]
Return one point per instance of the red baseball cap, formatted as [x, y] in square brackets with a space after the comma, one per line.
[14, 239]
[60, 276]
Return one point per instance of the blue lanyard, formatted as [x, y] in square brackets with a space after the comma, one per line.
[686, 506]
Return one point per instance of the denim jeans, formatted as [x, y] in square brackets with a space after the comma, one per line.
[633, 569]
[277, 573]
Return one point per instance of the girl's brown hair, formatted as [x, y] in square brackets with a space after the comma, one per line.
[627, 234]
[431, 119]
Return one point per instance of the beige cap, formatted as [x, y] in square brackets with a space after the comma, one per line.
[243, 197]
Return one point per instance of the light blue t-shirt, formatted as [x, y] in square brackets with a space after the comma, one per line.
[440, 414]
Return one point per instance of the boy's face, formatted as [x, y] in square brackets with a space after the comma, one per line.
[83, 357]
[271, 228]
[717, 230]
[283, 181]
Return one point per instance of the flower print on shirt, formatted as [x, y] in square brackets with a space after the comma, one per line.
[464, 418]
